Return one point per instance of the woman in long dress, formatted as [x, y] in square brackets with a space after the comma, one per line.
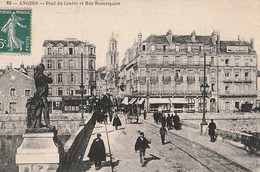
[10, 29]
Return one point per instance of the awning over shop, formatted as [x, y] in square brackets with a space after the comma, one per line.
[159, 101]
[178, 101]
[141, 101]
[125, 101]
[132, 101]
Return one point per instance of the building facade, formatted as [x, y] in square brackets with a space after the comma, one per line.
[16, 88]
[107, 76]
[168, 71]
[62, 60]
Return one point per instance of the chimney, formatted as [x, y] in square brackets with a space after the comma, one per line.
[252, 42]
[218, 42]
[169, 36]
[11, 65]
[139, 37]
[193, 36]
[238, 38]
[214, 36]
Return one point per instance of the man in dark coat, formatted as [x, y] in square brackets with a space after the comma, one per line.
[163, 132]
[169, 122]
[212, 126]
[116, 122]
[97, 152]
[145, 114]
[141, 144]
[177, 121]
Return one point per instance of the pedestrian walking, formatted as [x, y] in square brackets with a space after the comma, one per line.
[116, 121]
[169, 122]
[163, 132]
[212, 126]
[105, 118]
[141, 145]
[177, 121]
[110, 116]
[163, 119]
[97, 152]
[145, 114]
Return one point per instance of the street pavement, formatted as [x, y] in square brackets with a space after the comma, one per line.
[177, 155]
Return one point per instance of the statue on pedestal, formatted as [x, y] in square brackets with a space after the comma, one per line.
[39, 103]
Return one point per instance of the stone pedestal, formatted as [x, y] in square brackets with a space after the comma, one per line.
[38, 152]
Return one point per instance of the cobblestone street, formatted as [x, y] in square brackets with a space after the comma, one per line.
[177, 155]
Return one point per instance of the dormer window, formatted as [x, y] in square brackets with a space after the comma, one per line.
[153, 48]
[177, 48]
[70, 51]
[60, 51]
[144, 48]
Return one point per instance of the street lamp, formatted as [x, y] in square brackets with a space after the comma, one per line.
[204, 89]
[82, 123]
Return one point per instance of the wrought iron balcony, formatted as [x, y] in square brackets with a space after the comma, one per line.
[201, 79]
[170, 63]
[154, 79]
[142, 80]
[179, 80]
[166, 79]
[190, 79]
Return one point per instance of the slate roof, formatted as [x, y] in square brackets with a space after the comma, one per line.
[224, 44]
[64, 42]
[161, 39]
[158, 39]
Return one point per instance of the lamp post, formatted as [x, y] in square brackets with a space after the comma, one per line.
[82, 123]
[204, 88]
[147, 90]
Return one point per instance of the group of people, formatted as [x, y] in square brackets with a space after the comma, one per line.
[170, 121]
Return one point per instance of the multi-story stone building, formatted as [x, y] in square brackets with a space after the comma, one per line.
[237, 74]
[168, 71]
[107, 76]
[16, 88]
[62, 60]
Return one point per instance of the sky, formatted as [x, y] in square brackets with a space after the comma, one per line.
[95, 23]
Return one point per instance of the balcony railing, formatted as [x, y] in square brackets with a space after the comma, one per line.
[201, 79]
[154, 79]
[142, 80]
[190, 79]
[179, 80]
[166, 79]
[170, 64]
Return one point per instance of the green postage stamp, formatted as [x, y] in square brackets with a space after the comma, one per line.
[15, 31]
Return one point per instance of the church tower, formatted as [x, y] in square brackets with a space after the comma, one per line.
[112, 54]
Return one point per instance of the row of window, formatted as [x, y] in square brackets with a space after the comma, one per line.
[12, 92]
[12, 107]
[71, 77]
[71, 51]
[236, 75]
[177, 48]
[238, 61]
[71, 65]
[70, 91]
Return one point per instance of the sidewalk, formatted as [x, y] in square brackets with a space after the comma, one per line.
[100, 128]
[227, 150]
